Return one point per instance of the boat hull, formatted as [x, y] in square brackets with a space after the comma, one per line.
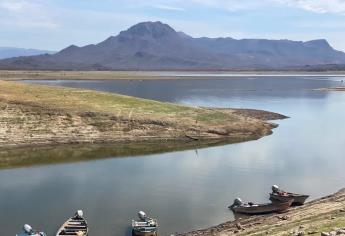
[137, 233]
[144, 228]
[37, 234]
[74, 226]
[297, 199]
[262, 208]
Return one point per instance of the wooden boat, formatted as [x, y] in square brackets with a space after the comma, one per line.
[28, 231]
[146, 226]
[75, 225]
[278, 195]
[258, 209]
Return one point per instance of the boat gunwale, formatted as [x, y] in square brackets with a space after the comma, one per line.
[278, 205]
[298, 199]
[71, 219]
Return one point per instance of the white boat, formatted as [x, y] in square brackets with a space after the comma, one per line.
[146, 226]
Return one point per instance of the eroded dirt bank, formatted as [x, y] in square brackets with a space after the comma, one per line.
[314, 218]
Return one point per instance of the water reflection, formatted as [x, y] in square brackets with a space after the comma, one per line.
[31, 156]
[237, 88]
[183, 190]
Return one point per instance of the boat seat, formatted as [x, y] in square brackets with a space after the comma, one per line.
[71, 233]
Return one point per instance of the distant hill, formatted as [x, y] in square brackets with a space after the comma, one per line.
[8, 52]
[324, 67]
[157, 46]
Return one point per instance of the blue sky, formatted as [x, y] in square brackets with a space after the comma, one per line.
[56, 24]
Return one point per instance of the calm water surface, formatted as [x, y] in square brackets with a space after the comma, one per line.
[191, 189]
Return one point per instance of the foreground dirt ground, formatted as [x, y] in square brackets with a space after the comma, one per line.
[324, 216]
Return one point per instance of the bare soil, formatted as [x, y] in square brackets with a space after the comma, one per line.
[315, 217]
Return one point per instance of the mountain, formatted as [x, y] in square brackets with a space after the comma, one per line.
[8, 52]
[157, 46]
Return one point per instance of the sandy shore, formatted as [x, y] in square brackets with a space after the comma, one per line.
[44, 115]
[322, 215]
[335, 89]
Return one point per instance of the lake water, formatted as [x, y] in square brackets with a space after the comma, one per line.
[188, 189]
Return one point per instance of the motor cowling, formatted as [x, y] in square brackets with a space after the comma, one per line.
[80, 214]
[275, 188]
[27, 229]
[142, 215]
[238, 202]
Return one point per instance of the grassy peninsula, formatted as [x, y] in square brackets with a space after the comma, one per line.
[44, 115]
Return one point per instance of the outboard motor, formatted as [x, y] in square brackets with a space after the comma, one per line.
[27, 229]
[142, 215]
[275, 189]
[237, 202]
[80, 213]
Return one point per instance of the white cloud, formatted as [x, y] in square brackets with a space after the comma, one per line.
[26, 14]
[169, 8]
[183, 5]
[318, 6]
[14, 6]
[230, 5]
[322, 24]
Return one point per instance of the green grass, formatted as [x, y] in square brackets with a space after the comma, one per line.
[76, 100]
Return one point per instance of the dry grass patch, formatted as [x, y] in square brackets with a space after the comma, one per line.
[44, 114]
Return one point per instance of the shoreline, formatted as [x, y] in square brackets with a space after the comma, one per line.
[154, 75]
[37, 115]
[332, 89]
[315, 217]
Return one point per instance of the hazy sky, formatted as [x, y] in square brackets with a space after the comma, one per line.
[55, 24]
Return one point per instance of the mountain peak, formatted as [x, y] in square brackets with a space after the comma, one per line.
[150, 29]
[157, 46]
[323, 43]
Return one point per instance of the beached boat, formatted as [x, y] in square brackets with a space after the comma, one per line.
[146, 226]
[27, 230]
[75, 225]
[258, 209]
[278, 195]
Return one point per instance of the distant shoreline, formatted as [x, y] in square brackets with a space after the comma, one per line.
[334, 89]
[154, 75]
